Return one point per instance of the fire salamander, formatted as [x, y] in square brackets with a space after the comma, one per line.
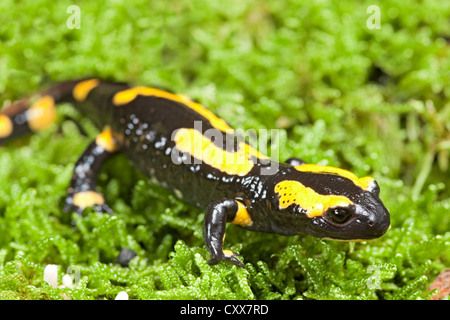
[189, 150]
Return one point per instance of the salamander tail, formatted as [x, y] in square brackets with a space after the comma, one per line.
[35, 112]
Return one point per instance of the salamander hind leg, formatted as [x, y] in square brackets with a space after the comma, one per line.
[217, 214]
[82, 193]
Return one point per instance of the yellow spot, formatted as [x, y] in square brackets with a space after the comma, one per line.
[228, 253]
[6, 126]
[242, 217]
[201, 148]
[363, 183]
[42, 113]
[106, 140]
[293, 192]
[81, 90]
[126, 96]
[87, 199]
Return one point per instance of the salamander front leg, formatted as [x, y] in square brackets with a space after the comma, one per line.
[217, 214]
[82, 193]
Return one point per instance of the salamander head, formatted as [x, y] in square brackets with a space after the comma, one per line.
[333, 203]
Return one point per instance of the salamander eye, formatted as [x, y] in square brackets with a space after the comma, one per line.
[339, 215]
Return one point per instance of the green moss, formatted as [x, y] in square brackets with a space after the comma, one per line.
[372, 101]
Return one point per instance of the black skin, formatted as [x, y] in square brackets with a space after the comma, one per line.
[143, 130]
[84, 177]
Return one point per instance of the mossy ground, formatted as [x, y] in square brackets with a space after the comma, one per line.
[374, 101]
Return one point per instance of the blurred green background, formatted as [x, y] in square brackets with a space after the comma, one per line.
[373, 101]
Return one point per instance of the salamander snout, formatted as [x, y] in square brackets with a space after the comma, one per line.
[366, 219]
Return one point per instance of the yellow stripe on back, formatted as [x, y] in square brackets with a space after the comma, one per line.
[293, 192]
[42, 113]
[82, 89]
[126, 96]
[363, 183]
[6, 126]
[233, 163]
